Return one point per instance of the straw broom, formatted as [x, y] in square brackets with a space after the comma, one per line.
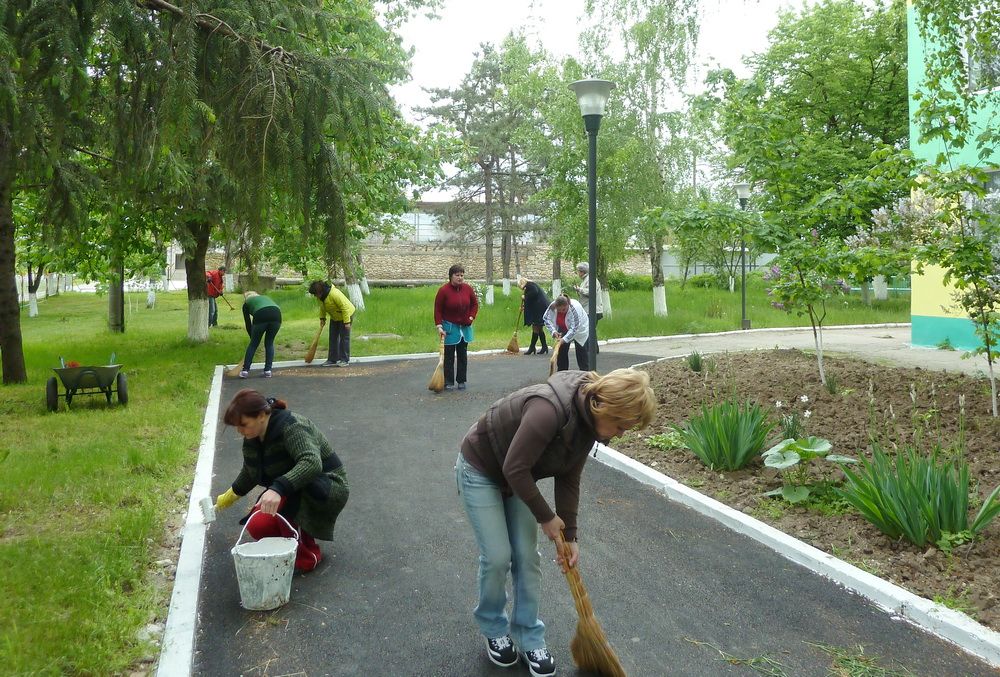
[235, 369]
[590, 647]
[512, 347]
[437, 378]
[559, 343]
[311, 353]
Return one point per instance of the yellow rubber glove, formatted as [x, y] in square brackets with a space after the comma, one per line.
[225, 500]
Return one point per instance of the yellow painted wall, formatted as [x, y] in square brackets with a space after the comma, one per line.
[930, 297]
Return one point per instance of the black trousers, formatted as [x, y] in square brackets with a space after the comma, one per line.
[582, 358]
[461, 352]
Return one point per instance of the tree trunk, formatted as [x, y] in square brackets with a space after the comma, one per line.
[556, 275]
[659, 289]
[34, 282]
[363, 281]
[351, 280]
[194, 271]
[11, 348]
[116, 297]
[881, 288]
[488, 230]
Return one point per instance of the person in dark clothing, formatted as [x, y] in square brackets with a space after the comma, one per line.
[535, 304]
[544, 430]
[455, 309]
[262, 318]
[305, 481]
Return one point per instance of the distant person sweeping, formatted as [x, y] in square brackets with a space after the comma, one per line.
[262, 318]
[332, 302]
[303, 478]
[215, 284]
[545, 430]
[455, 309]
[535, 305]
[568, 322]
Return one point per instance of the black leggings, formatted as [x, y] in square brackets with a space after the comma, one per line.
[461, 351]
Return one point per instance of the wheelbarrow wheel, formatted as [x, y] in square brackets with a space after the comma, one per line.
[122, 388]
[52, 394]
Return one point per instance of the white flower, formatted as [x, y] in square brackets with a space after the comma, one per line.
[803, 398]
[778, 405]
[807, 414]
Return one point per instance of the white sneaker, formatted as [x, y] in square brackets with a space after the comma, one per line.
[244, 373]
[267, 374]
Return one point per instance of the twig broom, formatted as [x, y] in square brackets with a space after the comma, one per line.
[590, 647]
[512, 347]
[555, 355]
[437, 378]
[311, 353]
[235, 369]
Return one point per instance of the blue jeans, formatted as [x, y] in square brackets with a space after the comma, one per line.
[507, 534]
[213, 312]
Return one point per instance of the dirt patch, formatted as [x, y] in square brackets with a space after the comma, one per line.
[893, 405]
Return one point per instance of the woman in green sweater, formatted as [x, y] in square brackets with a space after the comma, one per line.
[303, 478]
[262, 317]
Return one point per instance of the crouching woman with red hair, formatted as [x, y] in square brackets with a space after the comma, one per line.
[305, 482]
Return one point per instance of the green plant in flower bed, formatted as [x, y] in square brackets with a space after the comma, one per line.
[917, 498]
[792, 458]
[728, 435]
[666, 441]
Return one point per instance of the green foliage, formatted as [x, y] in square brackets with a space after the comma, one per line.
[792, 457]
[727, 435]
[694, 361]
[619, 281]
[666, 441]
[917, 497]
[703, 281]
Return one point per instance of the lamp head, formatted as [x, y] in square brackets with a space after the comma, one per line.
[742, 190]
[592, 95]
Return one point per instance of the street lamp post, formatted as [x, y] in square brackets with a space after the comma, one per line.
[592, 95]
[743, 193]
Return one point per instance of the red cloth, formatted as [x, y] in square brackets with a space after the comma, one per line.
[561, 321]
[455, 304]
[214, 283]
[307, 555]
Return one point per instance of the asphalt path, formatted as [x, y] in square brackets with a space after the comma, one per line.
[676, 592]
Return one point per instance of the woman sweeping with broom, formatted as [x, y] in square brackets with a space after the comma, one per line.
[545, 430]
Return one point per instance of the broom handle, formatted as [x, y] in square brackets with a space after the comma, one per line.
[517, 323]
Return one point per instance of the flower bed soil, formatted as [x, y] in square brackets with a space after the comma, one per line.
[870, 399]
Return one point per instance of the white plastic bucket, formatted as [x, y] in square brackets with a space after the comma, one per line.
[264, 569]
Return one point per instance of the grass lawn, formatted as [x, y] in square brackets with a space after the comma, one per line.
[86, 494]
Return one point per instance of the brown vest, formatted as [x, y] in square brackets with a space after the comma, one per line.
[504, 416]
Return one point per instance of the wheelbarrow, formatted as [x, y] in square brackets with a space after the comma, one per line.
[91, 380]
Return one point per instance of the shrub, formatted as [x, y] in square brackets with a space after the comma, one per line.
[917, 498]
[704, 280]
[619, 281]
[728, 435]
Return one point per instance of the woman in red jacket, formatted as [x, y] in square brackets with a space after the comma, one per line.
[455, 308]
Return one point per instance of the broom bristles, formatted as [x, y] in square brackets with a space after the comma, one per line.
[311, 353]
[235, 369]
[590, 648]
[512, 347]
[436, 383]
[555, 356]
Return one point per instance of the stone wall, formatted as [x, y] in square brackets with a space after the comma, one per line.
[408, 261]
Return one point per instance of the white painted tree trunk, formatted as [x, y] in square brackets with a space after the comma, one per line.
[732, 284]
[506, 287]
[151, 298]
[660, 301]
[198, 320]
[606, 297]
[364, 286]
[354, 293]
[32, 304]
[881, 288]
[556, 288]
[228, 282]
[489, 295]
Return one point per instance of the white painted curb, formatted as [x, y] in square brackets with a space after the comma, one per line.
[177, 653]
[950, 625]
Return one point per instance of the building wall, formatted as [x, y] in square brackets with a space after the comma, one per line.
[933, 316]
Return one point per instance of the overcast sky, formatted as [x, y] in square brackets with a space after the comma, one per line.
[446, 47]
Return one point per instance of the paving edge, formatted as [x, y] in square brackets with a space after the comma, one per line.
[177, 652]
[948, 624]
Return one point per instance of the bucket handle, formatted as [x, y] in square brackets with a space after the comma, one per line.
[258, 512]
